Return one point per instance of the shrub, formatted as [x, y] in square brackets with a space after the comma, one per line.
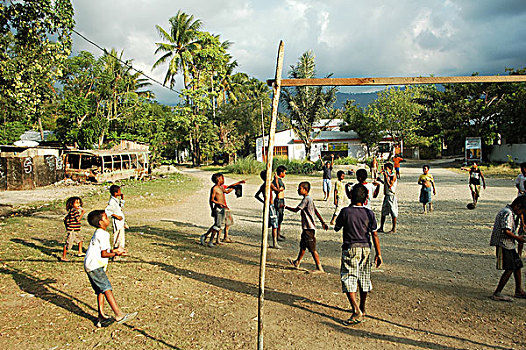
[247, 165]
[300, 167]
[346, 161]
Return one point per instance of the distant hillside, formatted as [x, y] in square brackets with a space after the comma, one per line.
[362, 99]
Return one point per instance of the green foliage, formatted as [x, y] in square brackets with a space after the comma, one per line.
[346, 161]
[246, 165]
[367, 124]
[306, 104]
[35, 41]
[301, 167]
[11, 132]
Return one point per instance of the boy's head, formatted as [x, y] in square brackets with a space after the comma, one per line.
[280, 170]
[361, 175]
[340, 174]
[523, 168]
[359, 194]
[519, 205]
[70, 203]
[98, 219]
[389, 166]
[425, 169]
[303, 188]
[263, 175]
[218, 178]
[114, 190]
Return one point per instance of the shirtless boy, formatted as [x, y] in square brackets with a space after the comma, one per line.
[220, 211]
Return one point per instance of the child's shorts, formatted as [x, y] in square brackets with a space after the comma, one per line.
[99, 280]
[390, 206]
[280, 209]
[308, 240]
[72, 237]
[426, 195]
[508, 259]
[356, 268]
[273, 217]
[219, 219]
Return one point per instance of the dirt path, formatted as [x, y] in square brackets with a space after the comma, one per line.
[432, 292]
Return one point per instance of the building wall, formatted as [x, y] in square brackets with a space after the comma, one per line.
[499, 153]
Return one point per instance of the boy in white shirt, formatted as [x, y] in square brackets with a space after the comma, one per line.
[114, 211]
[95, 264]
[520, 181]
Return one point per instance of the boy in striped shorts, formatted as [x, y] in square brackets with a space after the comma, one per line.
[358, 223]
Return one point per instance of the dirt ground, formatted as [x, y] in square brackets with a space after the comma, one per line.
[433, 291]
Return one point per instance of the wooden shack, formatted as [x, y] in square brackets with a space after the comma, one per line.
[24, 168]
[106, 165]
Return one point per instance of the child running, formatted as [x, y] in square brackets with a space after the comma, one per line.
[339, 195]
[358, 223]
[428, 189]
[72, 223]
[273, 215]
[503, 238]
[95, 265]
[390, 204]
[114, 211]
[308, 239]
[220, 211]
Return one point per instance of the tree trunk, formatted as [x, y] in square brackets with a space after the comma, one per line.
[308, 147]
[41, 129]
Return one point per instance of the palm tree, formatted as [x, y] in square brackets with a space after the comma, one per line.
[179, 44]
[306, 104]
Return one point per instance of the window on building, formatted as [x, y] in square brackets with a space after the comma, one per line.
[281, 151]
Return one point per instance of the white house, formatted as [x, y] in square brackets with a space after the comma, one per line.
[329, 141]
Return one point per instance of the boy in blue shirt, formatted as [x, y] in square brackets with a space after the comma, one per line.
[358, 223]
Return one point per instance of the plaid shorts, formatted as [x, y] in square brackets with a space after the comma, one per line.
[356, 268]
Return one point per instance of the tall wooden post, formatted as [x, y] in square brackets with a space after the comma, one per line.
[263, 258]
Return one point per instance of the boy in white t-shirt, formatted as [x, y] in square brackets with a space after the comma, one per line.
[115, 213]
[95, 264]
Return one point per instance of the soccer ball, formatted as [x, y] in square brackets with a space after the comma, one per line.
[470, 206]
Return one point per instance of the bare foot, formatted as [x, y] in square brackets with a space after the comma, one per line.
[227, 240]
[294, 263]
[392, 231]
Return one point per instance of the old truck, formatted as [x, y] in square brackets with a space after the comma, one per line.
[105, 165]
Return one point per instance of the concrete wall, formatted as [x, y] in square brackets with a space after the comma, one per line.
[499, 153]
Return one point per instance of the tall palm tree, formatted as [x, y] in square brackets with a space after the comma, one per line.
[179, 42]
[306, 104]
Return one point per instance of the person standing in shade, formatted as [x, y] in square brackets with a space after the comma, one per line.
[327, 169]
[396, 161]
[475, 175]
[520, 181]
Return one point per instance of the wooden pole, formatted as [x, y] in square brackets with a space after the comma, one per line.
[263, 258]
[400, 80]
[263, 130]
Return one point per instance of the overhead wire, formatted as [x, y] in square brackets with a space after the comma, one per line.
[127, 64]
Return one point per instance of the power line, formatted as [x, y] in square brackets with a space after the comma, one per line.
[123, 62]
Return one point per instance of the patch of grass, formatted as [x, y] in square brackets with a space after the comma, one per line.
[502, 170]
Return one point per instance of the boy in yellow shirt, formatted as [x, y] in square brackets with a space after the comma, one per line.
[427, 191]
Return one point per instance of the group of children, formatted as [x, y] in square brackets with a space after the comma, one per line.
[99, 249]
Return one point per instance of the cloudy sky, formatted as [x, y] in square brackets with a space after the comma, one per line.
[360, 38]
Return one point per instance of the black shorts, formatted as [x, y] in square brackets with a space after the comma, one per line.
[508, 259]
[308, 240]
[278, 202]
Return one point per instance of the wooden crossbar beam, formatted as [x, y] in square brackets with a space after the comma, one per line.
[400, 80]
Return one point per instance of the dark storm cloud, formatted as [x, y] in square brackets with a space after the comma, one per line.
[349, 38]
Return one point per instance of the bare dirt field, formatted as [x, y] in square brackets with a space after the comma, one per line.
[433, 291]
